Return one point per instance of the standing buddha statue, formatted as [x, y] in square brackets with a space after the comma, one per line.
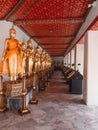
[10, 56]
[30, 57]
[43, 58]
[37, 63]
[23, 57]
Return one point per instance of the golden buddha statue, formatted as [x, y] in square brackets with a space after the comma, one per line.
[10, 56]
[37, 60]
[48, 61]
[30, 57]
[43, 58]
[23, 56]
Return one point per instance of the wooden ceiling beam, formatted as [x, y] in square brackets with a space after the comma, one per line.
[43, 44]
[67, 20]
[55, 55]
[14, 9]
[57, 47]
[53, 48]
[29, 7]
[52, 37]
[54, 51]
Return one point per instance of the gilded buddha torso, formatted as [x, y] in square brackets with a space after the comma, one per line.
[12, 43]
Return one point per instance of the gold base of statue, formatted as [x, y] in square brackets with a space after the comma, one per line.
[34, 101]
[3, 109]
[25, 111]
[42, 88]
[42, 85]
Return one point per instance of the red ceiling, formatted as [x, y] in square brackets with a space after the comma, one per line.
[53, 24]
[6, 6]
[94, 25]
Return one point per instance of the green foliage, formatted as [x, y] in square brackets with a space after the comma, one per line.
[72, 64]
[79, 64]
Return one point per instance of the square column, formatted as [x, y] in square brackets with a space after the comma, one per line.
[69, 59]
[80, 57]
[72, 58]
[75, 59]
[90, 81]
[66, 61]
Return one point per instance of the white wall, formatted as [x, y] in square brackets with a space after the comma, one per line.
[58, 59]
[64, 60]
[69, 59]
[72, 57]
[4, 33]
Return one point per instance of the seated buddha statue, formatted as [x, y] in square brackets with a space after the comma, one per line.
[10, 56]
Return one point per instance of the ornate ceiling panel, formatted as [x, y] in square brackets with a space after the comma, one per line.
[54, 46]
[21, 10]
[51, 28]
[94, 25]
[6, 6]
[50, 9]
[53, 40]
[81, 41]
[53, 24]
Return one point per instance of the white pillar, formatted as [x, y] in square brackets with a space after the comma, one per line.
[72, 58]
[64, 60]
[75, 56]
[80, 57]
[68, 59]
[90, 82]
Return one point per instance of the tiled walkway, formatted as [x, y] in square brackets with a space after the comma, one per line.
[56, 110]
[57, 84]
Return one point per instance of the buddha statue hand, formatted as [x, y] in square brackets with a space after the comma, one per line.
[3, 58]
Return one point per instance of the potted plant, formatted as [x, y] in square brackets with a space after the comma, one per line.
[78, 66]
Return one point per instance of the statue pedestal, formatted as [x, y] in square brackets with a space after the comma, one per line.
[15, 103]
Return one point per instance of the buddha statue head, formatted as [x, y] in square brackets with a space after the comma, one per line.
[43, 52]
[29, 43]
[23, 46]
[37, 49]
[12, 32]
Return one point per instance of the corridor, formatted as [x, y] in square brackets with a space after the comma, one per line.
[57, 109]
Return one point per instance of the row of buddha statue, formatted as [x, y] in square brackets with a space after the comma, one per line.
[19, 60]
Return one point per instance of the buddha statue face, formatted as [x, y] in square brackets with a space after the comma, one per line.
[23, 46]
[44, 52]
[29, 43]
[37, 49]
[12, 32]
